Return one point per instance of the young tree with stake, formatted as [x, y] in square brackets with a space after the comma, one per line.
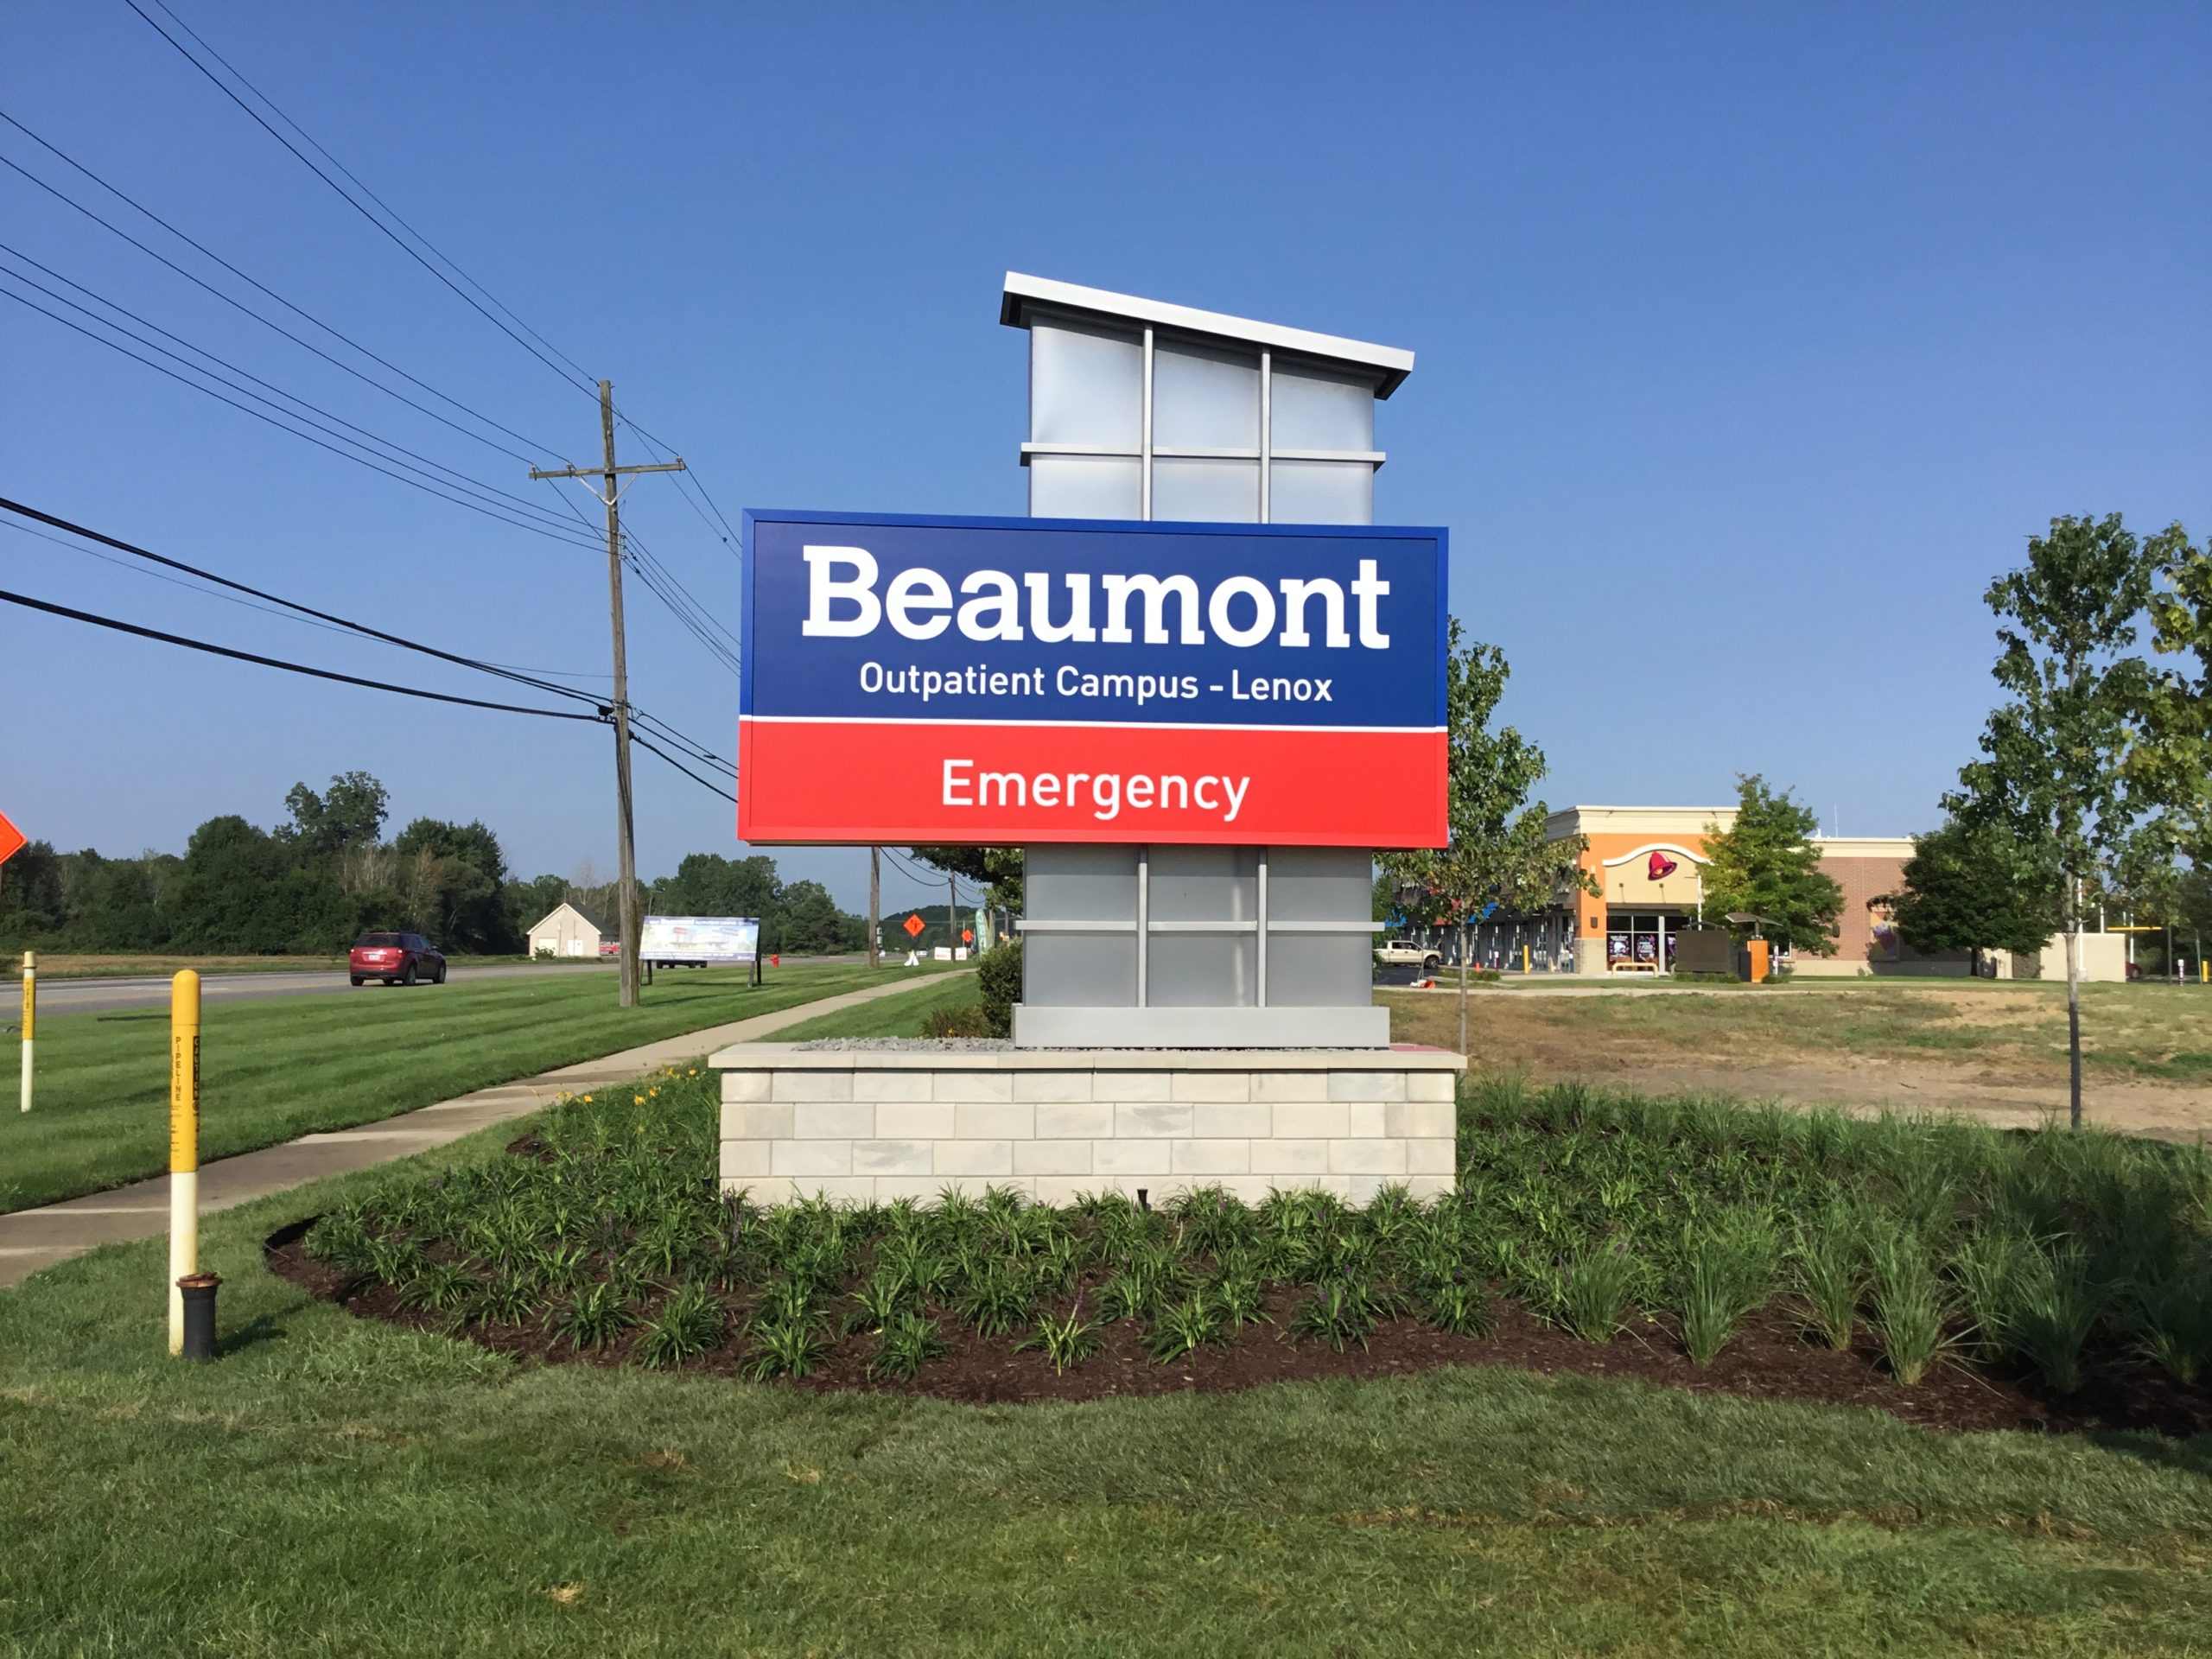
[2052, 770]
[1499, 854]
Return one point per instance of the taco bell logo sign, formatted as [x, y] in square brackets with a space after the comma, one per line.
[1017, 680]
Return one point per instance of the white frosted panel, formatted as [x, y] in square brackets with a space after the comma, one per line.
[1202, 970]
[1319, 970]
[1204, 884]
[1321, 884]
[1079, 970]
[1086, 486]
[1086, 385]
[1314, 410]
[1205, 491]
[1067, 882]
[1204, 399]
[1318, 493]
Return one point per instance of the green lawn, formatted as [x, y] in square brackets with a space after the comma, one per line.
[273, 1068]
[334, 1485]
[907, 1016]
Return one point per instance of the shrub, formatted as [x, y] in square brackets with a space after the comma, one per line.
[998, 980]
[2170, 1319]
[1185, 1327]
[1340, 1313]
[1910, 1310]
[907, 1343]
[2055, 1306]
[1066, 1340]
[1597, 1292]
[1728, 1271]
[690, 1324]
[1828, 1271]
[962, 1020]
[599, 1314]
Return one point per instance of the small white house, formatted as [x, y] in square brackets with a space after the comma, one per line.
[566, 930]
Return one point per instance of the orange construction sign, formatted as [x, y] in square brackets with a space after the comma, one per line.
[11, 839]
[967, 936]
[914, 925]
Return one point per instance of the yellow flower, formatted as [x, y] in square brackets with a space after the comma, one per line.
[587, 1100]
[652, 1092]
[637, 1100]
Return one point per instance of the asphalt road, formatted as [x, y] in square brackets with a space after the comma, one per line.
[107, 995]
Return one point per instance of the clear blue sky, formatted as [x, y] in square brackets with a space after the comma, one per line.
[1752, 342]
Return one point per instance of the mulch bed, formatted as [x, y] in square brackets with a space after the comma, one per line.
[1769, 1357]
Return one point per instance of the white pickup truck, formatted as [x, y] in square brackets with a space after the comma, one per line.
[1406, 952]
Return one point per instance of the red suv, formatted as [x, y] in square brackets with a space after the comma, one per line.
[394, 958]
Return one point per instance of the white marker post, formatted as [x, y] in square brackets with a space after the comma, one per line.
[184, 1145]
[30, 1018]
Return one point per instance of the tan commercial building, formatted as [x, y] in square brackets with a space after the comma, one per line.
[1649, 863]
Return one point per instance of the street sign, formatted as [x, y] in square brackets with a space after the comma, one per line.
[11, 839]
[1013, 680]
[914, 925]
[967, 936]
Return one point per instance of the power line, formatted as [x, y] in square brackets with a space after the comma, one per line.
[189, 588]
[26, 511]
[397, 241]
[413, 483]
[59, 195]
[543, 522]
[120, 627]
[309, 138]
[728, 536]
[647, 745]
[527, 504]
[325, 618]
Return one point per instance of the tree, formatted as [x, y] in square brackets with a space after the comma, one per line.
[2052, 767]
[451, 878]
[1765, 864]
[809, 923]
[708, 884]
[32, 903]
[351, 814]
[1498, 853]
[2170, 763]
[1967, 887]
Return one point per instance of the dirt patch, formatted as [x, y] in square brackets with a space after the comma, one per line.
[1769, 1357]
[1928, 1049]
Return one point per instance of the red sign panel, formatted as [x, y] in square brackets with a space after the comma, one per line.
[914, 925]
[11, 839]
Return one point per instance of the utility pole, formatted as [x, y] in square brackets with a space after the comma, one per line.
[876, 906]
[951, 910]
[610, 495]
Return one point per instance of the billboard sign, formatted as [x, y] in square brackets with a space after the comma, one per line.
[1024, 680]
[700, 939]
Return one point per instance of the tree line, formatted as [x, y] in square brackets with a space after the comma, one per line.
[324, 875]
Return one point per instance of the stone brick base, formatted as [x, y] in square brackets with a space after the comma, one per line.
[873, 1125]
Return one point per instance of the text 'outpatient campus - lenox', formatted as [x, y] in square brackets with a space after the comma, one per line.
[981, 679]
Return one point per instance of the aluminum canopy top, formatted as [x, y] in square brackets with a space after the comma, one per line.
[1022, 293]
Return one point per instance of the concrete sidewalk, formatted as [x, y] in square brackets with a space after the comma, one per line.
[32, 1239]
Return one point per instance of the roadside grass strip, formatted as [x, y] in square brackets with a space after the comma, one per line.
[276, 1068]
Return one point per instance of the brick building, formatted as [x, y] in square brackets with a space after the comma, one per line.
[1649, 862]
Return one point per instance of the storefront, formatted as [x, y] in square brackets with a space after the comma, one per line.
[1649, 863]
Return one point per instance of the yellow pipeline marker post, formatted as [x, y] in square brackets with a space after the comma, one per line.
[184, 1144]
[1524, 958]
[30, 1018]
